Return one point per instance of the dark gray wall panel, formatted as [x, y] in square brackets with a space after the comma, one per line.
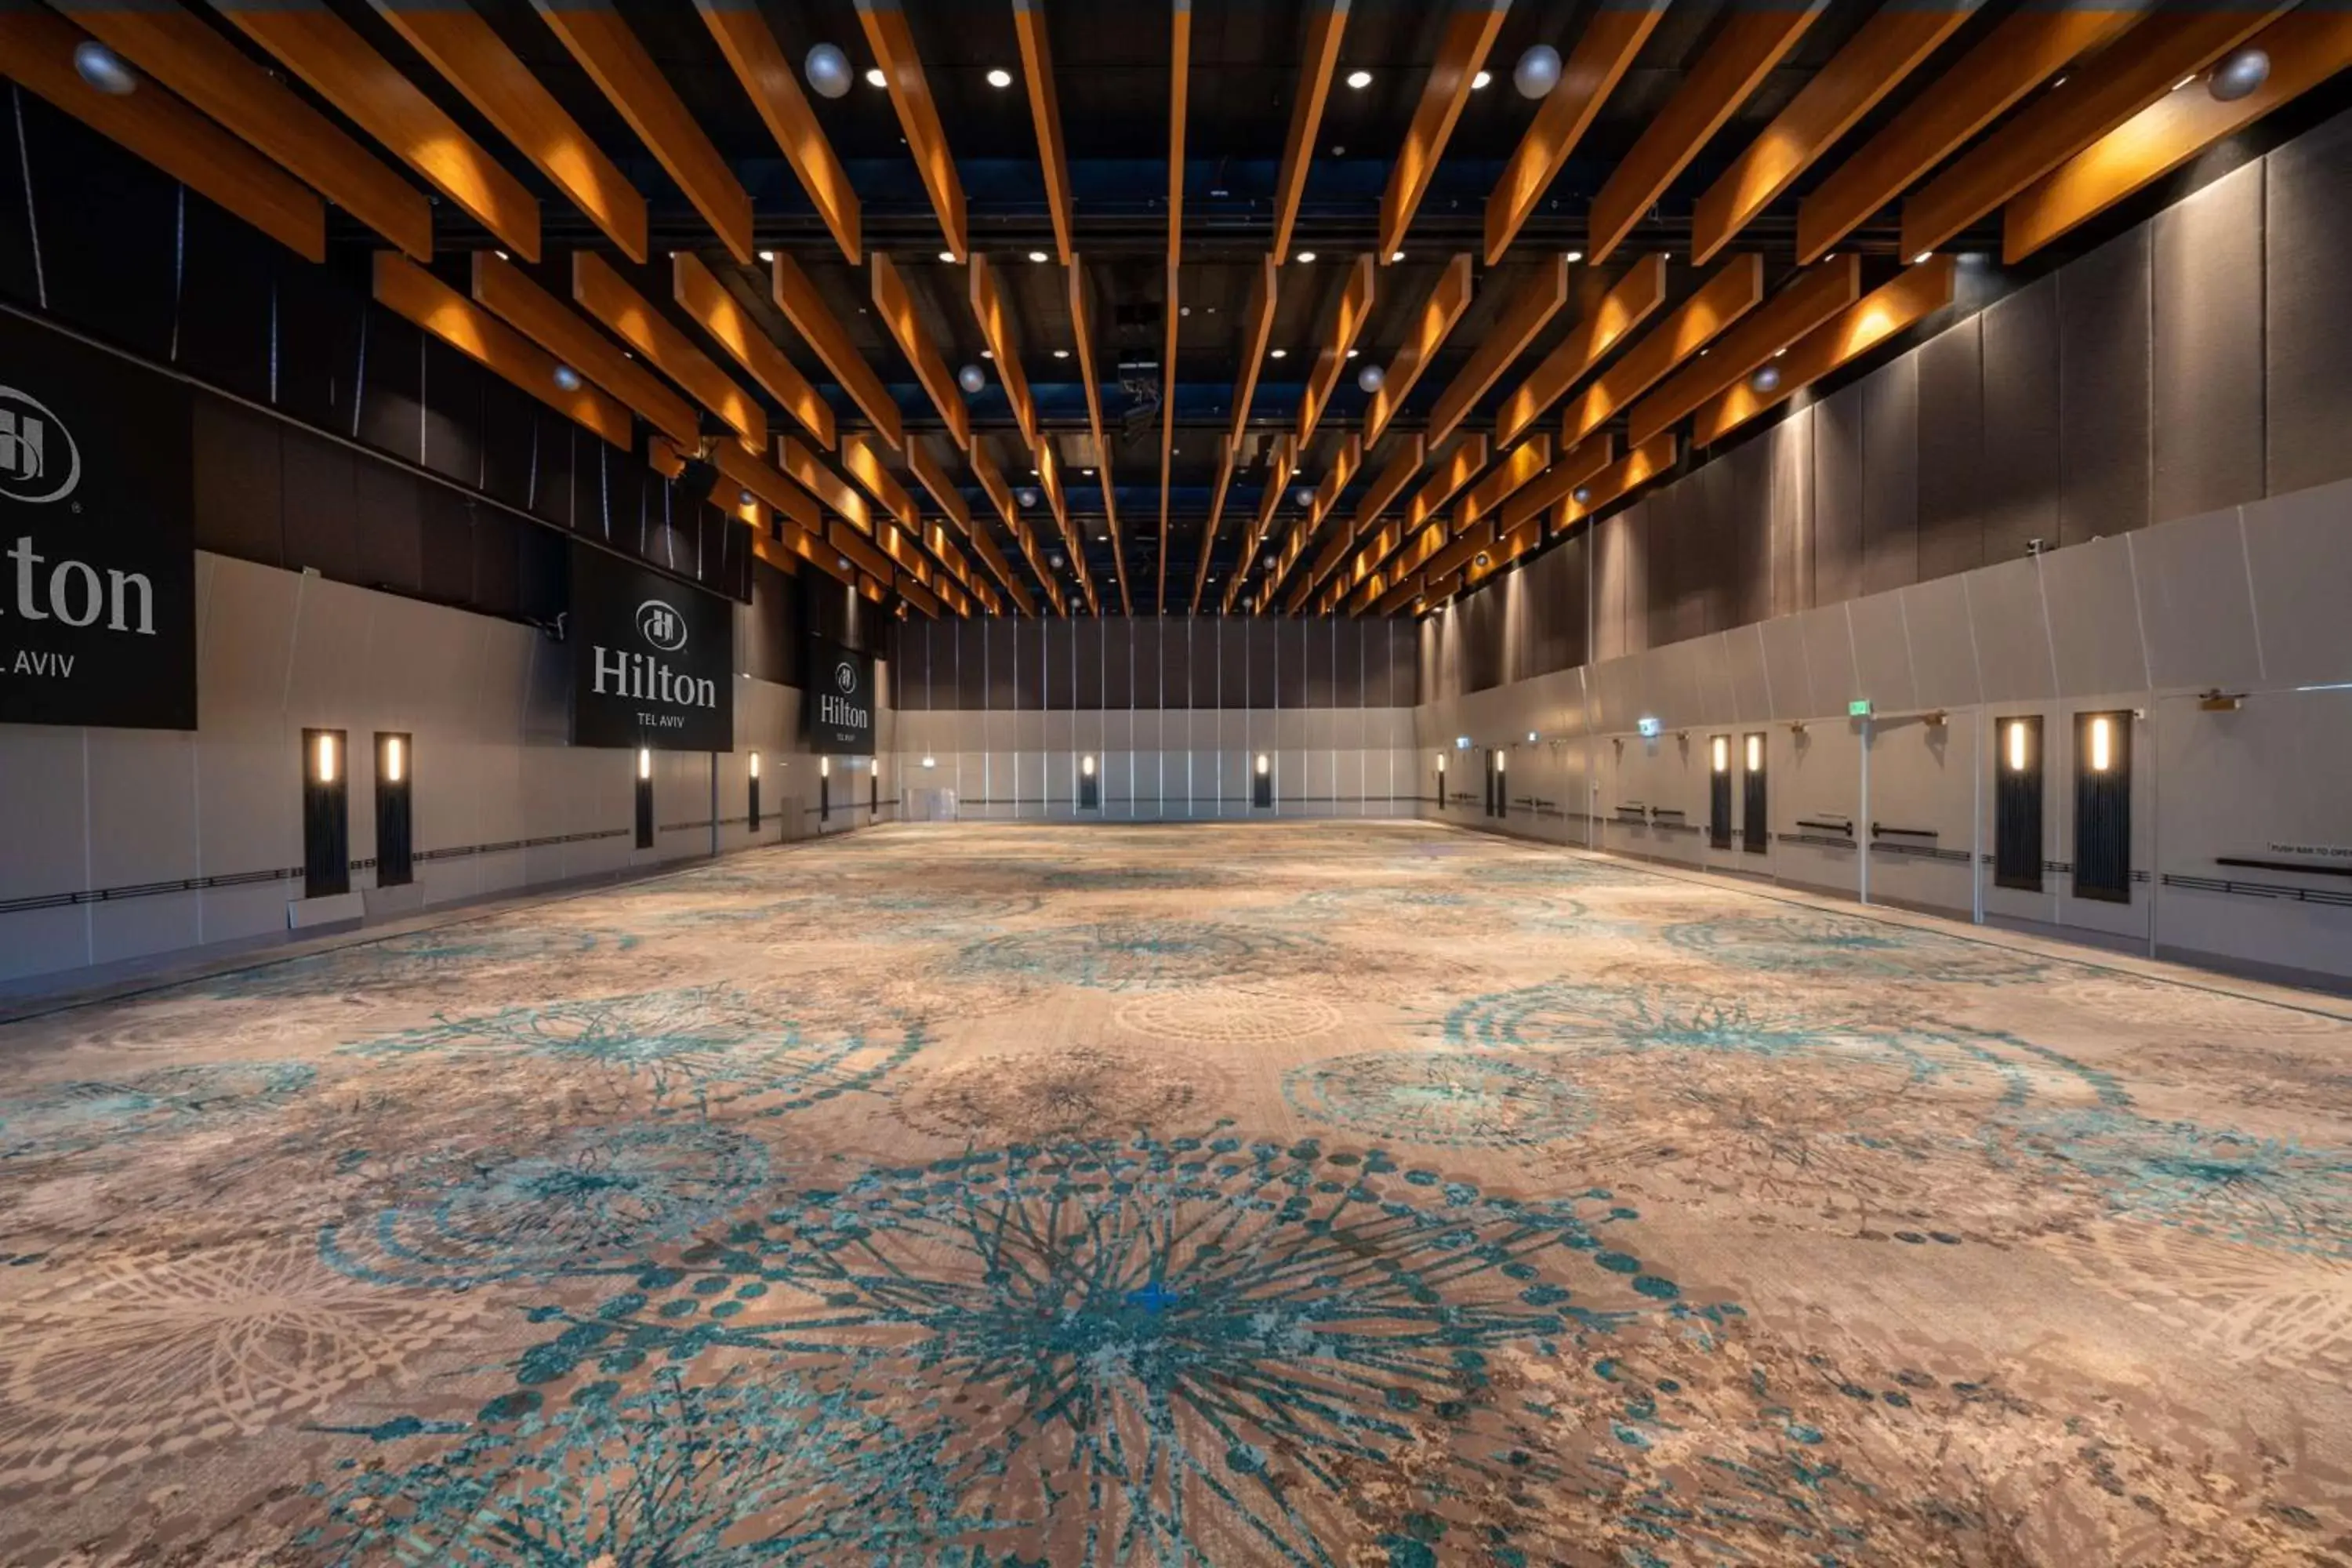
[1003, 693]
[1028, 665]
[1061, 664]
[2206, 400]
[1148, 685]
[1178, 636]
[1837, 455]
[1404, 680]
[2020, 420]
[1088, 656]
[1480, 625]
[1207, 644]
[1119, 664]
[2103, 392]
[1890, 477]
[1290, 664]
[1233, 661]
[1951, 450]
[1322, 653]
[1746, 594]
[1259, 646]
[1791, 442]
[2309, 344]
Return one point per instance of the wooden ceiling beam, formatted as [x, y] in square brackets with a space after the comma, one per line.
[1389, 484]
[697, 293]
[863, 458]
[630, 80]
[1335, 483]
[1258, 335]
[1281, 463]
[629, 316]
[1889, 46]
[1326, 21]
[502, 289]
[37, 49]
[805, 308]
[1082, 328]
[1611, 39]
[1735, 289]
[1746, 47]
[324, 51]
[1539, 299]
[999, 496]
[1179, 92]
[996, 332]
[177, 49]
[1619, 479]
[2135, 71]
[809, 471]
[1903, 303]
[2306, 47]
[897, 308]
[1557, 484]
[1439, 313]
[893, 43]
[1355, 309]
[1812, 298]
[457, 42]
[2012, 59]
[743, 470]
[1470, 29]
[402, 285]
[1626, 306]
[1520, 466]
[759, 62]
[1045, 113]
[1460, 467]
[1228, 456]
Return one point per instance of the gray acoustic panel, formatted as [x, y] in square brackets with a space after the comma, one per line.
[1232, 661]
[1404, 667]
[1175, 659]
[2020, 420]
[2206, 395]
[2307, 344]
[1788, 682]
[1146, 631]
[1379, 643]
[971, 666]
[1943, 645]
[1751, 693]
[2196, 604]
[1118, 663]
[1952, 457]
[1346, 639]
[1838, 496]
[1086, 659]
[1004, 662]
[1290, 663]
[1792, 444]
[2103, 390]
[1746, 563]
[1207, 641]
[1882, 652]
[1890, 476]
[1610, 543]
[1262, 653]
[1028, 665]
[242, 470]
[1480, 626]
[1828, 659]
[2303, 583]
[1710, 659]
[2095, 619]
[2013, 635]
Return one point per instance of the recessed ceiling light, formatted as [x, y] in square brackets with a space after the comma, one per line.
[946, 255]
[1306, 256]
[988, 354]
[1352, 352]
[767, 255]
[1576, 255]
[1036, 256]
[1921, 256]
[1396, 256]
[1000, 77]
[1480, 80]
[1359, 79]
[875, 78]
[1282, 354]
[1061, 353]
[502, 256]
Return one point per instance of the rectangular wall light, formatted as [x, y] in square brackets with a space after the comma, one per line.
[1755, 754]
[2017, 743]
[1722, 753]
[323, 758]
[645, 763]
[2103, 744]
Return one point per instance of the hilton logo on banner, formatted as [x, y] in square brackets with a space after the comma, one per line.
[841, 707]
[97, 555]
[654, 662]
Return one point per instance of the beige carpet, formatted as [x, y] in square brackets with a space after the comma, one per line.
[1305, 1195]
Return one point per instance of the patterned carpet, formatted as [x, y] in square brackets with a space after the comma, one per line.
[1365, 1194]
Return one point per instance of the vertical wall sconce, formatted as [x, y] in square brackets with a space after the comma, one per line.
[645, 798]
[2101, 743]
[2016, 739]
[1262, 764]
[825, 789]
[1089, 788]
[1087, 766]
[322, 756]
[395, 759]
[645, 763]
[2103, 830]
[752, 793]
[1755, 754]
[1755, 825]
[1262, 790]
[1720, 753]
[1718, 792]
[2017, 805]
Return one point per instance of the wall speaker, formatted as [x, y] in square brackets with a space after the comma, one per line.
[697, 481]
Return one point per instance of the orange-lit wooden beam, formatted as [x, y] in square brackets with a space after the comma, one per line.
[37, 49]
[933, 476]
[2127, 76]
[936, 479]
[403, 285]
[1082, 328]
[916, 595]
[1470, 29]
[321, 48]
[1326, 497]
[1916, 293]
[1620, 479]
[1626, 306]
[1228, 456]
[1326, 20]
[893, 43]
[1750, 43]
[1343, 472]
[1535, 302]
[996, 332]
[1889, 46]
[2017, 55]
[1614, 36]
[1735, 289]
[1257, 333]
[775, 87]
[630, 80]
[1520, 466]
[627, 315]
[1168, 409]
[179, 49]
[805, 308]
[2306, 47]
[1282, 462]
[703, 297]
[863, 458]
[1045, 113]
[1812, 298]
[1386, 486]
[1180, 85]
[501, 289]
[747, 472]
[897, 308]
[1458, 469]
[1548, 489]
[1438, 313]
[1355, 309]
[809, 470]
[457, 42]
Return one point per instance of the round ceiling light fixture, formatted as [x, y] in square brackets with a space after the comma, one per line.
[1582, 495]
[567, 378]
[874, 77]
[744, 498]
[1025, 496]
[1036, 256]
[972, 378]
[1061, 353]
[1371, 378]
[1304, 495]
[827, 70]
[2238, 75]
[947, 257]
[1537, 71]
[1766, 379]
[1306, 256]
[1000, 77]
[104, 69]
[1480, 82]
[1280, 353]
[1057, 560]
[1359, 79]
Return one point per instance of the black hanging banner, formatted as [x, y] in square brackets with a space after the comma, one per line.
[652, 661]
[98, 567]
[840, 702]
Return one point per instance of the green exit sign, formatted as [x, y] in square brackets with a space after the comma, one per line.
[1858, 708]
